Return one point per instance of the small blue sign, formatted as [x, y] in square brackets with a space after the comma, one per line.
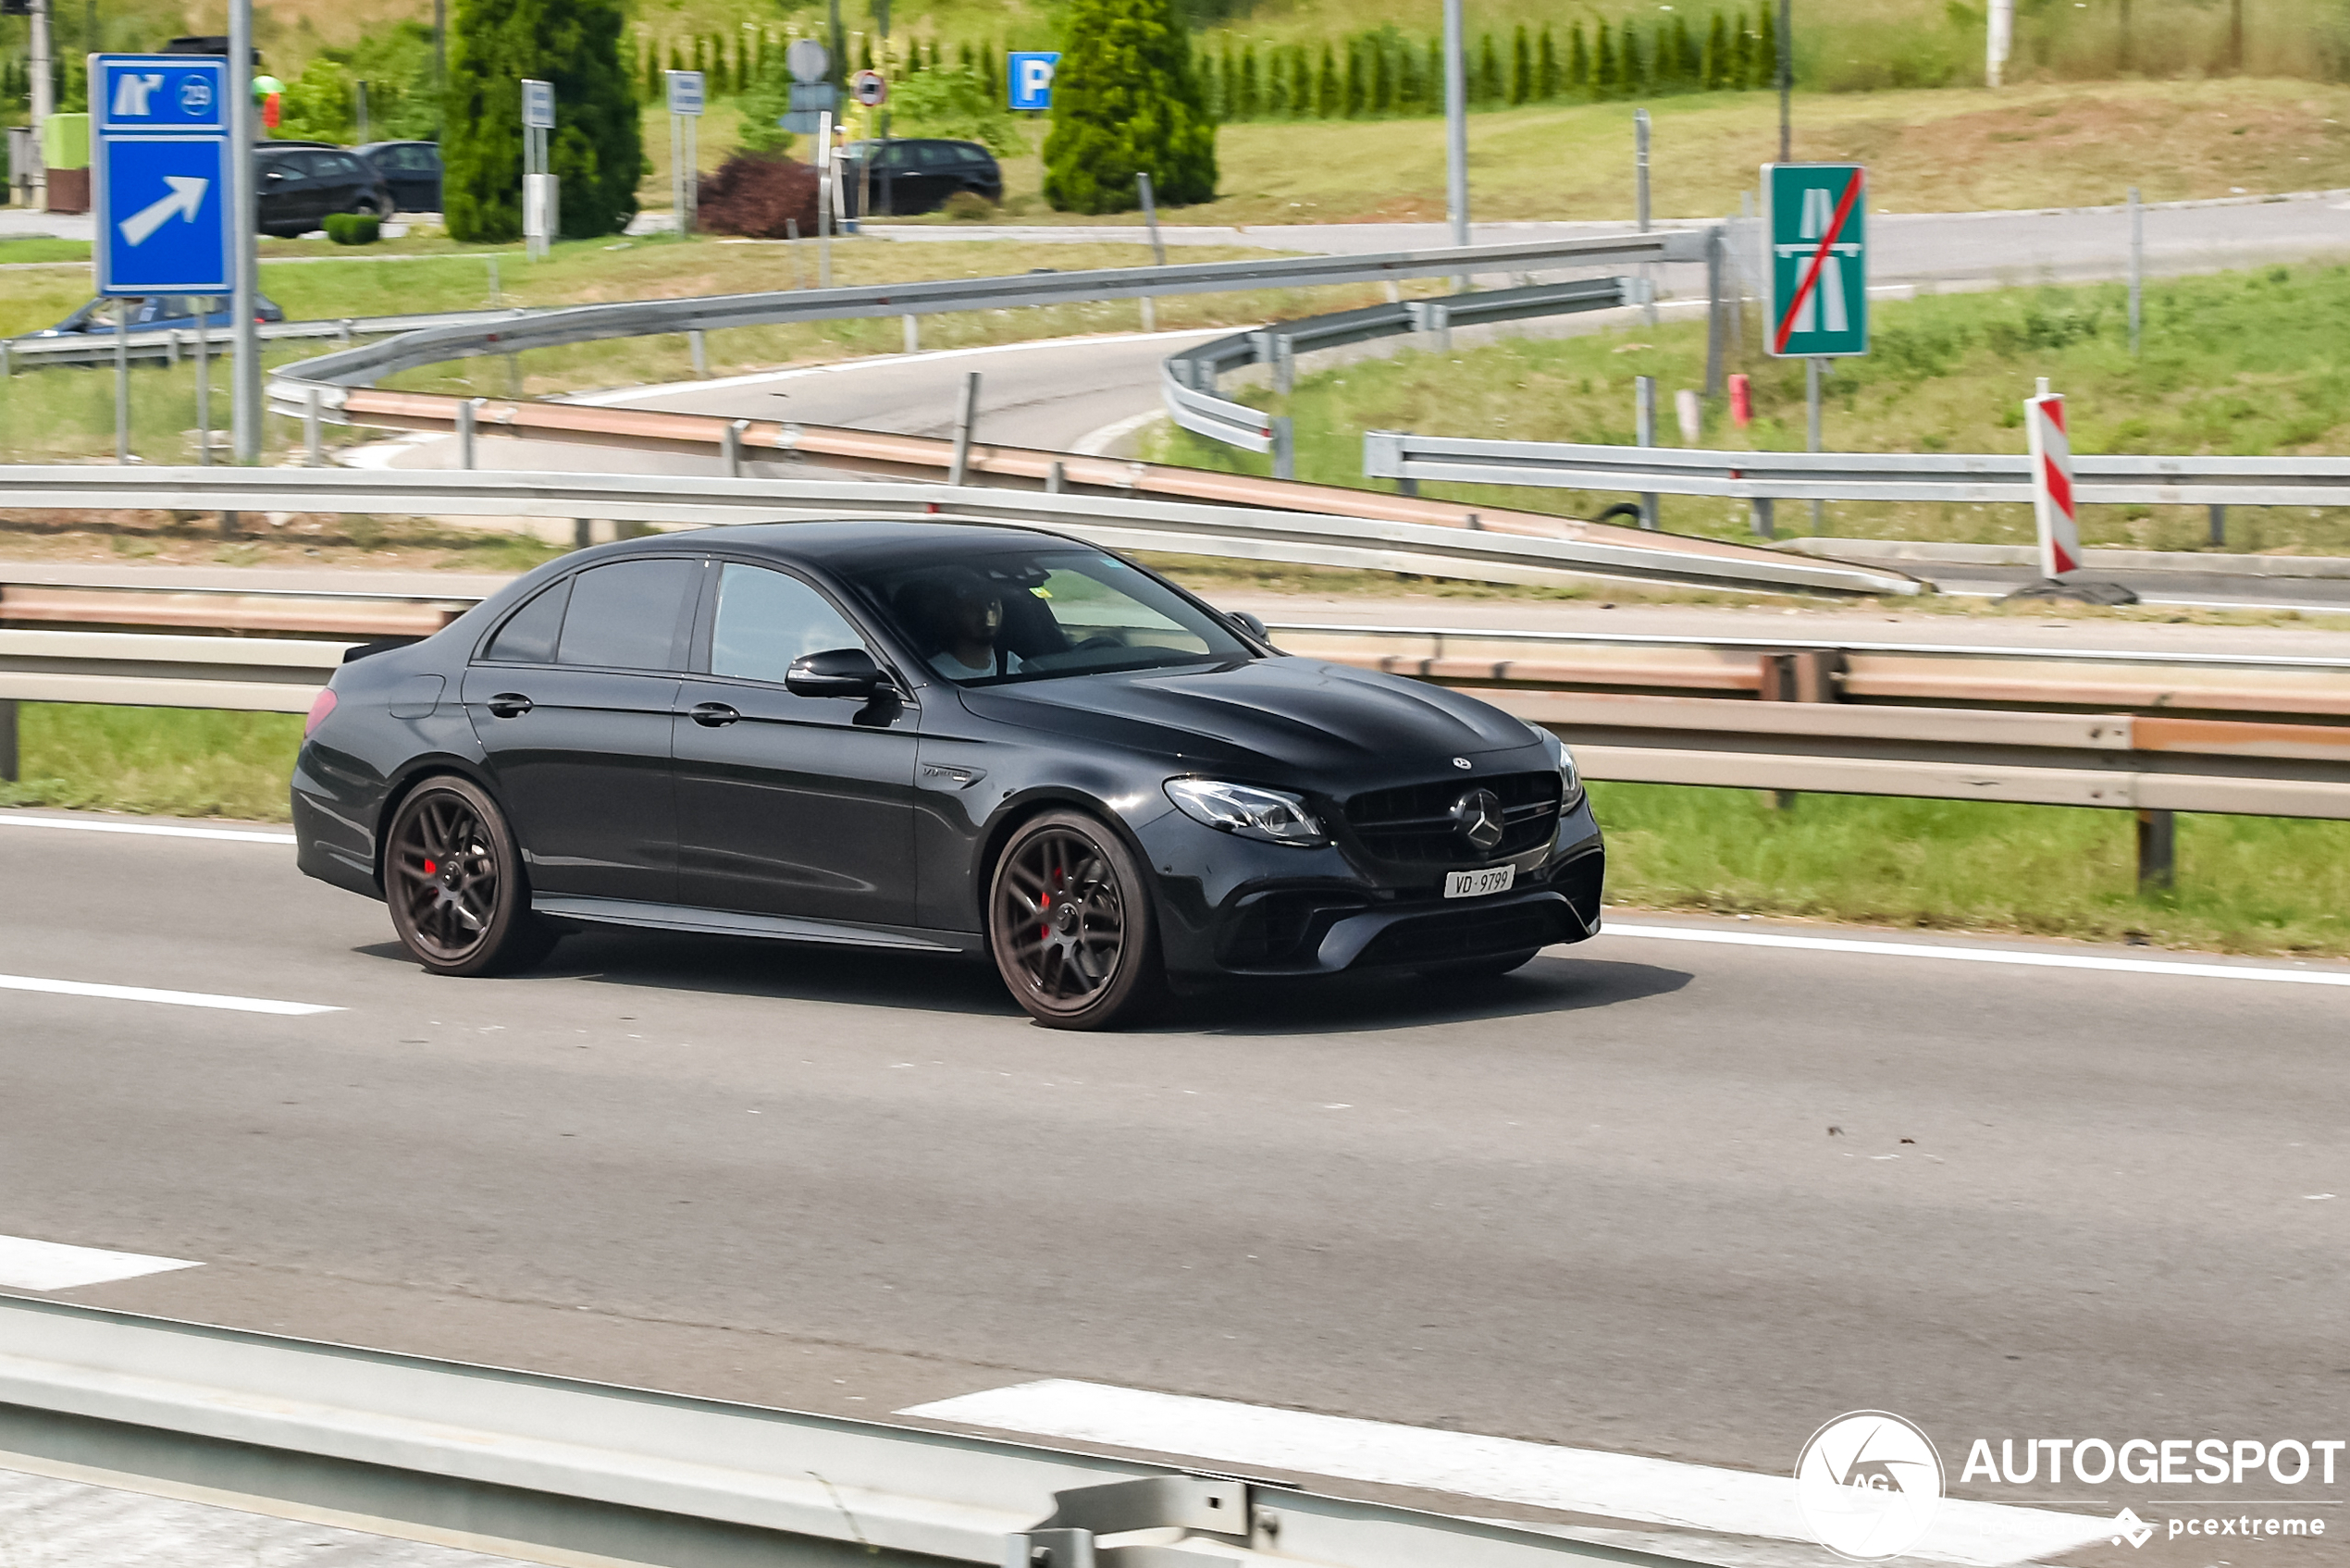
[162, 211]
[181, 93]
[684, 92]
[1031, 78]
[537, 105]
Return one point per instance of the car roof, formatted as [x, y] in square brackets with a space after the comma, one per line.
[854, 545]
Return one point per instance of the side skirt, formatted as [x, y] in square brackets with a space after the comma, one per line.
[731, 922]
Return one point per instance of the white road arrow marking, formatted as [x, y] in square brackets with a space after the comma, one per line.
[186, 195]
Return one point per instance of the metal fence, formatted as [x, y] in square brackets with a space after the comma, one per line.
[1764, 477]
[1188, 377]
[168, 345]
[556, 1470]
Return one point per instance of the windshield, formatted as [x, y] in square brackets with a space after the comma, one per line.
[1037, 613]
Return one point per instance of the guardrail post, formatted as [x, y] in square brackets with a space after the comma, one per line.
[203, 387]
[966, 413]
[2218, 524]
[1284, 448]
[343, 333]
[468, 415]
[1764, 523]
[701, 351]
[730, 446]
[1713, 335]
[1644, 416]
[123, 381]
[913, 333]
[583, 532]
[1441, 318]
[8, 758]
[171, 349]
[1056, 479]
[1813, 369]
[513, 374]
[2158, 850]
[310, 455]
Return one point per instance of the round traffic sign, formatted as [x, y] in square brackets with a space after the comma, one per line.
[869, 89]
[807, 60]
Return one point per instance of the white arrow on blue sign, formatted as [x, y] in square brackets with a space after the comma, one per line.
[160, 174]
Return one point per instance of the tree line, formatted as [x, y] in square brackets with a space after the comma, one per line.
[1369, 75]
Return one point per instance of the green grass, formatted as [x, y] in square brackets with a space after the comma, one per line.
[16, 251]
[2244, 883]
[2237, 363]
[172, 761]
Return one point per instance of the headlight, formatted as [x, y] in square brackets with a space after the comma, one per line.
[1570, 782]
[1265, 814]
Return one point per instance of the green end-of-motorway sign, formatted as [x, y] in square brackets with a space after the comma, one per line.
[1816, 251]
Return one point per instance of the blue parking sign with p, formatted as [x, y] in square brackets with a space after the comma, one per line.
[1031, 78]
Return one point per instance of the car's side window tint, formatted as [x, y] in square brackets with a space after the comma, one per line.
[529, 636]
[625, 616]
[766, 620]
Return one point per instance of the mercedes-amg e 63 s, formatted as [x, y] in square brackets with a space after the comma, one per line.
[939, 738]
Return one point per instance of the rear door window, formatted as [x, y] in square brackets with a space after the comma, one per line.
[626, 615]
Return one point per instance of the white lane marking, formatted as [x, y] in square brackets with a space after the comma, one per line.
[27, 1265]
[1979, 954]
[176, 998]
[1097, 441]
[1658, 1491]
[239, 836]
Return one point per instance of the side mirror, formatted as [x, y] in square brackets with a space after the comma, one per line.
[840, 672]
[1248, 623]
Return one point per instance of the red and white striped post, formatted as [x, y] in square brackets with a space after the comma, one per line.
[2052, 505]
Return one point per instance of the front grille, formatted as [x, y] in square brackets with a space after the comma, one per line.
[1414, 823]
[1470, 934]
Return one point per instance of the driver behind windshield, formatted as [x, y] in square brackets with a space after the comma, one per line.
[959, 618]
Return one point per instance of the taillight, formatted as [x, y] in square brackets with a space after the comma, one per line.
[320, 706]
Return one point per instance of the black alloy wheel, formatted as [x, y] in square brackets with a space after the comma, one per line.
[1071, 927]
[454, 880]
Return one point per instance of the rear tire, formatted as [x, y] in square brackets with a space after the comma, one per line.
[1492, 967]
[453, 878]
[1071, 925]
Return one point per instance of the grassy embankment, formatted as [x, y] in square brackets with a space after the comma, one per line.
[2238, 363]
[2246, 885]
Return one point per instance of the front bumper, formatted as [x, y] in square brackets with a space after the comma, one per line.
[1230, 906]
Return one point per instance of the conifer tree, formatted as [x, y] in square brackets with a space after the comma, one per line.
[1125, 102]
[595, 150]
[1631, 70]
[1579, 61]
[1546, 70]
[1521, 66]
[1326, 91]
[1485, 82]
[1606, 80]
[1766, 50]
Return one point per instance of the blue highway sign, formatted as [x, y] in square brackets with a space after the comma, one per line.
[163, 214]
[1031, 78]
[159, 174]
[188, 93]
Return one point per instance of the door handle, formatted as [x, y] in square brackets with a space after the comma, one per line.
[509, 705]
[713, 715]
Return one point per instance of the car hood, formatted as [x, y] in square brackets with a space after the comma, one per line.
[1266, 720]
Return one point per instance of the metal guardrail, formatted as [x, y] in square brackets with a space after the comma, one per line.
[557, 1470]
[2180, 733]
[168, 344]
[1386, 535]
[1187, 378]
[582, 323]
[1762, 477]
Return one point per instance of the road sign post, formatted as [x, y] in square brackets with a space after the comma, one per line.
[539, 221]
[244, 370]
[160, 188]
[685, 158]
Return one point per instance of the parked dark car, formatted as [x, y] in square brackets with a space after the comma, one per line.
[301, 183]
[412, 170]
[938, 739]
[163, 310]
[917, 176]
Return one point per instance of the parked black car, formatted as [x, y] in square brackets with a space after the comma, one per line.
[161, 311]
[412, 169]
[301, 183]
[935, 738]
[917, 176]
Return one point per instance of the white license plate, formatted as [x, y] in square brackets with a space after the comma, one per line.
[1477, 885]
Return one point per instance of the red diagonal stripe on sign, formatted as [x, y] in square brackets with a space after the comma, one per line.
[2060, 487]
[1819, 259]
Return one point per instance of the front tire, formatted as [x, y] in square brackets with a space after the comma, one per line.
[1071, 925]
[453, 878]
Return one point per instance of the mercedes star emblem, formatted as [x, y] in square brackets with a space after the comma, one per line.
[1477, 816]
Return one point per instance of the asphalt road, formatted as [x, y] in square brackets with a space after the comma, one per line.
[1679, 1198]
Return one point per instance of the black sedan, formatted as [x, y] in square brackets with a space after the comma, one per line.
[301, 183]
[938, 739]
